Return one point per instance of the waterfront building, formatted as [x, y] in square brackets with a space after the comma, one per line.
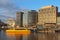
[58, 19]
[11, 22]
[25, 18]
[19, 19]
[29, 18]
[47, 16]
[32, 18]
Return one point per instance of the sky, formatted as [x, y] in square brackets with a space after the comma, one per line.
[10, 7]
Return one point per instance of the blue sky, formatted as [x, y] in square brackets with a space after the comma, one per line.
[36, 4]
[10, 7]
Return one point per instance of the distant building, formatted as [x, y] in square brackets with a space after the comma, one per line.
[30, 18]
[19, 19]
[58, 18]
[11, 22]
[47, 15]
[25, 18]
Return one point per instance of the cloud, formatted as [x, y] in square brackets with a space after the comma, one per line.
[8, 7]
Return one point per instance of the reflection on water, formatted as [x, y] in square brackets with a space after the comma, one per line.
[31, 36]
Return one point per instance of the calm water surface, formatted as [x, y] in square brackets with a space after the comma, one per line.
[31, 36]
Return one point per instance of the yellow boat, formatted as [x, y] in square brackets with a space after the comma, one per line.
[18, 31]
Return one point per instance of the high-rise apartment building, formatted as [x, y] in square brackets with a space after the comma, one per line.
[32, 18]
[47, 15]
[19, 19]
[26, 18]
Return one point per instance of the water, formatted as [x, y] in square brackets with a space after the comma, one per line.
[31, 36]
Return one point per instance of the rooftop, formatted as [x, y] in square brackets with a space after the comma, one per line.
[47, 6]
